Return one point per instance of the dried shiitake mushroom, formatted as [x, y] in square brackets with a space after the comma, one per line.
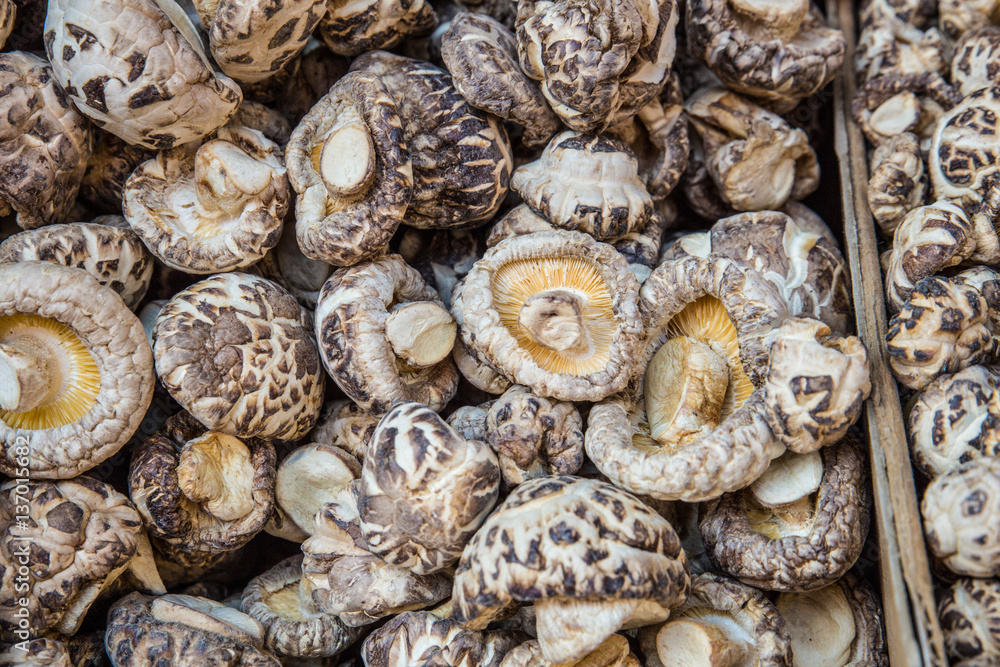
[892, 104]
[36, 652]
[345, 424]
[44, 143]
[8, 12]
[969, 610]
[442, 256]
[612, 652]
[539, 547]
[77, 537]
[286, 265]
[555, 311]
[212, 206]
[894, 48]
[964, 148]
[115, 256]
[308, 478]
[898, 181]
[350, 29]
[974, 65]
[138, 69]
[76, 371]
[385, 336]
[110, 165]
[799, 527]
[236, 351]
[956, 17]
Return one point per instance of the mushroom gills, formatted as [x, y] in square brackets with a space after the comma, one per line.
[421, 333]
[207, 615]
[705, 637]
[48, 377]
[570, 628]
[215, 471]
[821, 625]
[782, 502]
[286, 603]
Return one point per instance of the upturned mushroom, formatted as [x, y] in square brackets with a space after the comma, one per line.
[385, 336]
[799, 527]
[539, 547]
[308, 478]
[968, 610]
[350, 29]
[236, 351]
[898, 181]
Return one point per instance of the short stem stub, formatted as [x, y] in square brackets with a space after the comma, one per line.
[554, 319]
[29, 374]
[422, 333]
[347, 160]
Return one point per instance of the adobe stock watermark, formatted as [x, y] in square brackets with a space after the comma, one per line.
[20, 553]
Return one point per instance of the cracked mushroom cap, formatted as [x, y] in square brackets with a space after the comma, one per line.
[41, 652]
[77, 537]
[76, 373]
[965, 148]
[612, 652]
[236, 352]
[350, 29]
[777, 52]
[757, 160]
[310, 477]
[586, 183]
[292, 625]
[977, 54]
[138, 69]
[45, 143]
[554, 311]
[799, 527]
[202, 491]
[424, 490]
[955, 419]
[836, 626]
[597, 63]
[961, 511]
[481, 56]
[461, 156]
[533, 436]
[183, 631]
[591, 557]
[722, 623]
[213, 207]
[348, 209]
[970, 619]
[385, 336]
[114, 256]
[898, 181]
[110, 165]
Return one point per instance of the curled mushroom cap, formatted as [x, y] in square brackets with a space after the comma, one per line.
[44, 143]
[898, 181]
[386, 336]
[836, 626]
[964, 146]
[461, 156]
[539, 547]
[138, 69]
[778, 52]
[757, 160]
[961, 511]
[481, 56]
[424, 490]
[292, 625]
[184, 631]
[586, 183]
[236, 352]
[598, 63]
[348, 209]
[76, 370]
[722, 623]
[212, 207]
[82, 535]
[892, 48]
[799, 527]
[969, 612]
[349, 29]
[36, 652]
[115, 256]
[555, 311]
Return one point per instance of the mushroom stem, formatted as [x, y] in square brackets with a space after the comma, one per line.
[421, 333]
[554, 319]
[569, 628]
[29, 374]
[688, 642]
[215, 470]
[347, 160]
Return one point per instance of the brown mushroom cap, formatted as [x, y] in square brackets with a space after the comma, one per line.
[349, 29]
[963, 146]
[974, 64]
[138, 69]
[800, 545]
[612, 652]
[366, 351]
[969, 610]
[42, 652]
[236, 352]
[44, 142]
[898, 181]
[345, 424]
[110, 165]
[8, 12]
[539, 546]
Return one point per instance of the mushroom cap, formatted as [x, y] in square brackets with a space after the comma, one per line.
[110, 165]
[891, 104]
[212, 207]
[540, 544]
[499, 291]
[462, 158]
[81, 533]
[293, 627]
[184, 631]
[481, 56]
[236, 351]
[612, 652]
[138, 69]
[286, 265]
[955, 419]
[961, 511]
[104, 348]
[343, 228]
[898, 181]
[115, 256]
[586, 183]
[44, 142]
[888, 48]
[424, 490]
[309, 477]
[739, 50]
[963, 148]
[956, 17]
[915, 12]
[345, 424]
[351, 317]
[976, 54]
[41, 652]
[756, 545]
[969, 612]
[349, 29]
[8, 12]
